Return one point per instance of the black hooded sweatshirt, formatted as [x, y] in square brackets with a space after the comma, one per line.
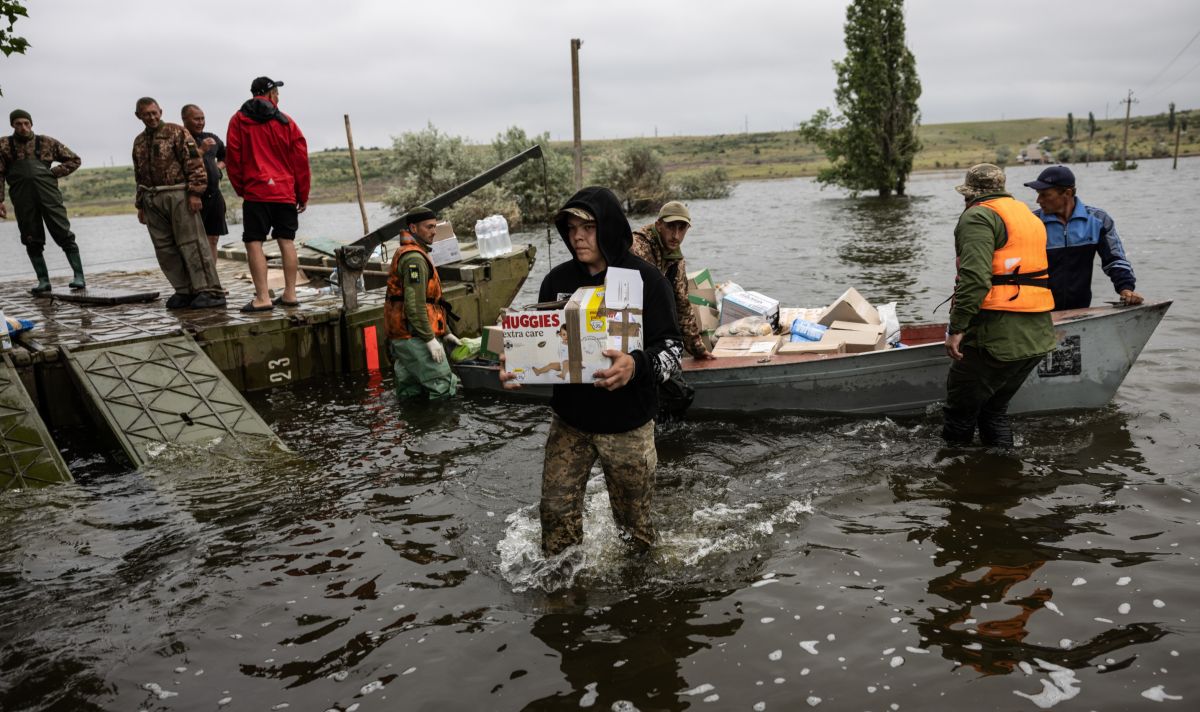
[585, 406]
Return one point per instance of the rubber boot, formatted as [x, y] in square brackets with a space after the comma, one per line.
[43, 275]
[995, 430]
[77, 265]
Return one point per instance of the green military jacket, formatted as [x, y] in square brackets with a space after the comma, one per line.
[168, 156]
[49, 150]
[414, 270]
[648, 245]
[1007, 336]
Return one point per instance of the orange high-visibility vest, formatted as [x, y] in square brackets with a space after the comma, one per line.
[393, 309]
[1020, 270]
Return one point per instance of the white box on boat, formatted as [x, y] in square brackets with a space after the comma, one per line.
[742, 304]
[566, 345]
[445, 248]
[745, 346]
[851, 306]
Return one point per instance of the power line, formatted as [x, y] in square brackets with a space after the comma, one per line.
[1177, 56]
[1177, 80]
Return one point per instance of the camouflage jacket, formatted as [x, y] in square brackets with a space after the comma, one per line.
[168, 156]
[49, 150]
[648, 245]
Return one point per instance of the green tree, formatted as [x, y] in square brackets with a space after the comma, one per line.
[710, 184]
[538, 187]
[1071, 131]
[429, 163]
[872, 143]
[1171, 118]
[1091, 133]
[636, 174]
[10, 44]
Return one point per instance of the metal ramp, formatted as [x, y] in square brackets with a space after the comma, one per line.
[162, 391]
[28, 457]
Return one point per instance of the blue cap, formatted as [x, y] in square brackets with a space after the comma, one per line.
[1053, 177]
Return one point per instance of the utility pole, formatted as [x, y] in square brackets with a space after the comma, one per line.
[362, 206]
[575, 45]
[1128, 102]
[1178, 130]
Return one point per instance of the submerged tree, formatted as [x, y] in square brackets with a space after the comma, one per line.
[872, 143]
[1071, 133]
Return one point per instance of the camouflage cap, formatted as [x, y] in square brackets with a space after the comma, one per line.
[675, 211]
[982, 179]
[579, 213]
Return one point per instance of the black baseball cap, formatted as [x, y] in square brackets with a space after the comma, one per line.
[262, 85]
[1053, 177]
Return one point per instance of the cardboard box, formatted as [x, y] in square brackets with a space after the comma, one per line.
[745, 346]
[855, 326]
[852, 307]
[566, 345]
[491, 346]
[706, 317]
[854, 342]
[445, 248]
[824, 348]
[742, 304]
[700, 280]
[706, 296]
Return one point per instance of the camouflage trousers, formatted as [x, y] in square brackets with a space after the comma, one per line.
[628, 460]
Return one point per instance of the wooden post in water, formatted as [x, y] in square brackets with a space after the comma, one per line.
[1178, 130]
[575, 45]
[362, 207]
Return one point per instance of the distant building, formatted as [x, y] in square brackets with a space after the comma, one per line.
[1034, 155]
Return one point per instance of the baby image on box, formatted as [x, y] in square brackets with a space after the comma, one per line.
[564, 356]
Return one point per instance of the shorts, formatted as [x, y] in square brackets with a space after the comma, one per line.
[258, 219]
[213, 214]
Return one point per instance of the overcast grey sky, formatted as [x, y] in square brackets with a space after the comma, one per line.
[475, 67]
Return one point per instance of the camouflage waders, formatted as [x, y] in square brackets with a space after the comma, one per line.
[39, 205]
[180, 243]
[628, 460]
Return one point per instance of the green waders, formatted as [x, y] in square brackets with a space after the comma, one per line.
[417, 374]
[37, 200]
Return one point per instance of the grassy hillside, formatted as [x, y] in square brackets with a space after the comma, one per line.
[96, 191]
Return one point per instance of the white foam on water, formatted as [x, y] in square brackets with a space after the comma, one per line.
[1065, 643]
[589, 697]
[1079, 581]
[813, 700]
[340, 675]
[1102, 620]
[896, 661]
[1025, 667]
[780, 680]
[623, 706]
[917, 651]
[1123, 609]
[1158, 694]
[810, 645]
[804, 671]
[1158, 603]
[409, 671]
[224, 701]
[373, 686]
[775, 655]
[1124, 581]
[763, 582]
[759, 706]
[1050, 606]
[699, 690]
[1062, 685]
[712, 698]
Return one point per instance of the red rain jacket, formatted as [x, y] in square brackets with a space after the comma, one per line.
[266, 156]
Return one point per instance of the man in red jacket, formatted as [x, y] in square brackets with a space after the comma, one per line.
[266, 158]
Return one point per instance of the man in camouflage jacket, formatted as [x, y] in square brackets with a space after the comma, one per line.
[658, 243]
[26, 163]
[171, 179]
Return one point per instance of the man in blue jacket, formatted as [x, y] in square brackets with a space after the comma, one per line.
[1075, 234]
[612, 419]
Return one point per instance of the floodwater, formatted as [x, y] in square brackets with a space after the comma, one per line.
[391, 562]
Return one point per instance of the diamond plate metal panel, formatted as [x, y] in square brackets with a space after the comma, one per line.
[162, 391]
[28, 456]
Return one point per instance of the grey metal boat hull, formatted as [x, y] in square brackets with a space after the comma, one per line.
[1096, 349]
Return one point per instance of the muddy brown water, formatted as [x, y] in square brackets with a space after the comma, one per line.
[844, 564]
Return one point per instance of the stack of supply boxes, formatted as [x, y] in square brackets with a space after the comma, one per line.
[702, 293]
